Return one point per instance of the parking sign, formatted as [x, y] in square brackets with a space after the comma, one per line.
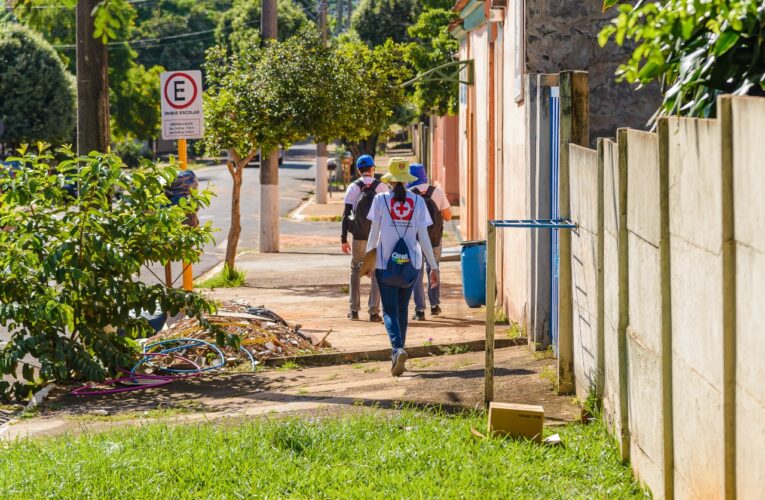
[182, 116]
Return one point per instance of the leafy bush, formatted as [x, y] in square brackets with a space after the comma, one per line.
[697, 49]
[38, 95]
[131, 152]
[70, 264]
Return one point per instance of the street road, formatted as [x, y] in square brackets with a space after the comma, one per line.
[296, 182]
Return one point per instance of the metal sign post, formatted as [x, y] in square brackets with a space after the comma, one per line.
[182, 118]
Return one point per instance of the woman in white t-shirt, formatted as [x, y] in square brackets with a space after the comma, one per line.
[399, 214]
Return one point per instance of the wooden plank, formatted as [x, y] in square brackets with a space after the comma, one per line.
[491, 288]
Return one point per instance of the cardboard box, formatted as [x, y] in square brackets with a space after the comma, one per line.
[525, 421]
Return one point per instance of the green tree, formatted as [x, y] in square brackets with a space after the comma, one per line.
[175, 34]
[369, 91]
[135, 103]
[70, 264]
[258, 98]
[433, 46]
[38, 95]
[696, 49]
[376, 21]
[241, 23]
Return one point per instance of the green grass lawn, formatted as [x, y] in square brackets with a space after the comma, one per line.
[407, 455]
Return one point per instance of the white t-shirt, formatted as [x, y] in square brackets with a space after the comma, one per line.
[439, 196]
[353, 193]
[394, 217]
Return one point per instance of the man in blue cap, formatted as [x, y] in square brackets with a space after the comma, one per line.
[358, 201]
[439, 209]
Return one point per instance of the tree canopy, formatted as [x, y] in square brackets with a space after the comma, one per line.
[697, 50]
[376, 21]
[242, 22]
[433, 46]
[38, 95]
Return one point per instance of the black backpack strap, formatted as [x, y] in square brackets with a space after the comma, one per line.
[360, 183]
[416, 191]
[374, 184]
[430, 191]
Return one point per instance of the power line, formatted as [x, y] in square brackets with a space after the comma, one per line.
[158, 39]
[67, 7]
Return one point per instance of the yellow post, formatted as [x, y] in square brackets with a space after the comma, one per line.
[188, 279]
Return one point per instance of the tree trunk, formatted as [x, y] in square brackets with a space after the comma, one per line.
[366, 147]
[92, 84]
[236, 168]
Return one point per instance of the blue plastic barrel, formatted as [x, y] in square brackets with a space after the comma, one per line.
[473, 260]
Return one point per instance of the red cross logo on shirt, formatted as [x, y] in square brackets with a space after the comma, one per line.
[402, 211]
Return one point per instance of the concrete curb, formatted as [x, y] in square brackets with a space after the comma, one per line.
[37, 399]
[297, 214]
[339, 358]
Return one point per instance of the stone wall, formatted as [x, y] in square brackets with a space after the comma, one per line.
[562, 35]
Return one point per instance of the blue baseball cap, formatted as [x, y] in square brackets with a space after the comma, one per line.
[365, 161]
[417, 170]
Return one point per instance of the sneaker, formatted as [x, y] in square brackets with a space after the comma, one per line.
[353, 315]
[399, 362]
[375, 318]
[419, 316]
[435, 310]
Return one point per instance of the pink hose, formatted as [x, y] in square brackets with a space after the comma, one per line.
[86, 390]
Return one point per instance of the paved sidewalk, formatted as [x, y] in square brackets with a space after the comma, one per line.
[308, 285]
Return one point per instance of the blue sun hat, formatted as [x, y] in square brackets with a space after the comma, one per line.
[417, 170]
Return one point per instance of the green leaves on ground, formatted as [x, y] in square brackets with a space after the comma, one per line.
[400, 455]
[70, 263]
[696, 49]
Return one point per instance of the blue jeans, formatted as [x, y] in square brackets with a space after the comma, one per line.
[434, 294]
[395, 308]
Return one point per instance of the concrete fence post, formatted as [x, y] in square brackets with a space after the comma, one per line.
[574, 129]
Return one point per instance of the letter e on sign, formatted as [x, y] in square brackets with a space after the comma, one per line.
[181, 94]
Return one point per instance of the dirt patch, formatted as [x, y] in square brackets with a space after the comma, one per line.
[454, 381]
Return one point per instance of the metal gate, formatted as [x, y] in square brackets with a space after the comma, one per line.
[554, 213]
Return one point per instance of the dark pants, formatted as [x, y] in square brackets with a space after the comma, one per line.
[395, 307]
[434, 294]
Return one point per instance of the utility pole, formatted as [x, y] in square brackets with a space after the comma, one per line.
[92, 84]
[321, 147]
[269, 160]
[339, 16]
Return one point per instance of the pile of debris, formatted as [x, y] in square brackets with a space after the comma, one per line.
[264, 334]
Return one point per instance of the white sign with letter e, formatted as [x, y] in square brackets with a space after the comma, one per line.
[182, 116]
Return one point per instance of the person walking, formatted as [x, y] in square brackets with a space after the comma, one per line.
[440, 211]
[358, 200]
[399, 233]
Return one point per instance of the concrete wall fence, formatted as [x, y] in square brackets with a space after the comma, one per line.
[667, 289]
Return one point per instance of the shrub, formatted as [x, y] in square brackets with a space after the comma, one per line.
[70, 264]
[38, 95]
[696, 49]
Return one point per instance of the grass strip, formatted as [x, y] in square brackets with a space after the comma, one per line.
[366, 455]
[226, 278]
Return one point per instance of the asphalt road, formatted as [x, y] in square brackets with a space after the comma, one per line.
[296, 182]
